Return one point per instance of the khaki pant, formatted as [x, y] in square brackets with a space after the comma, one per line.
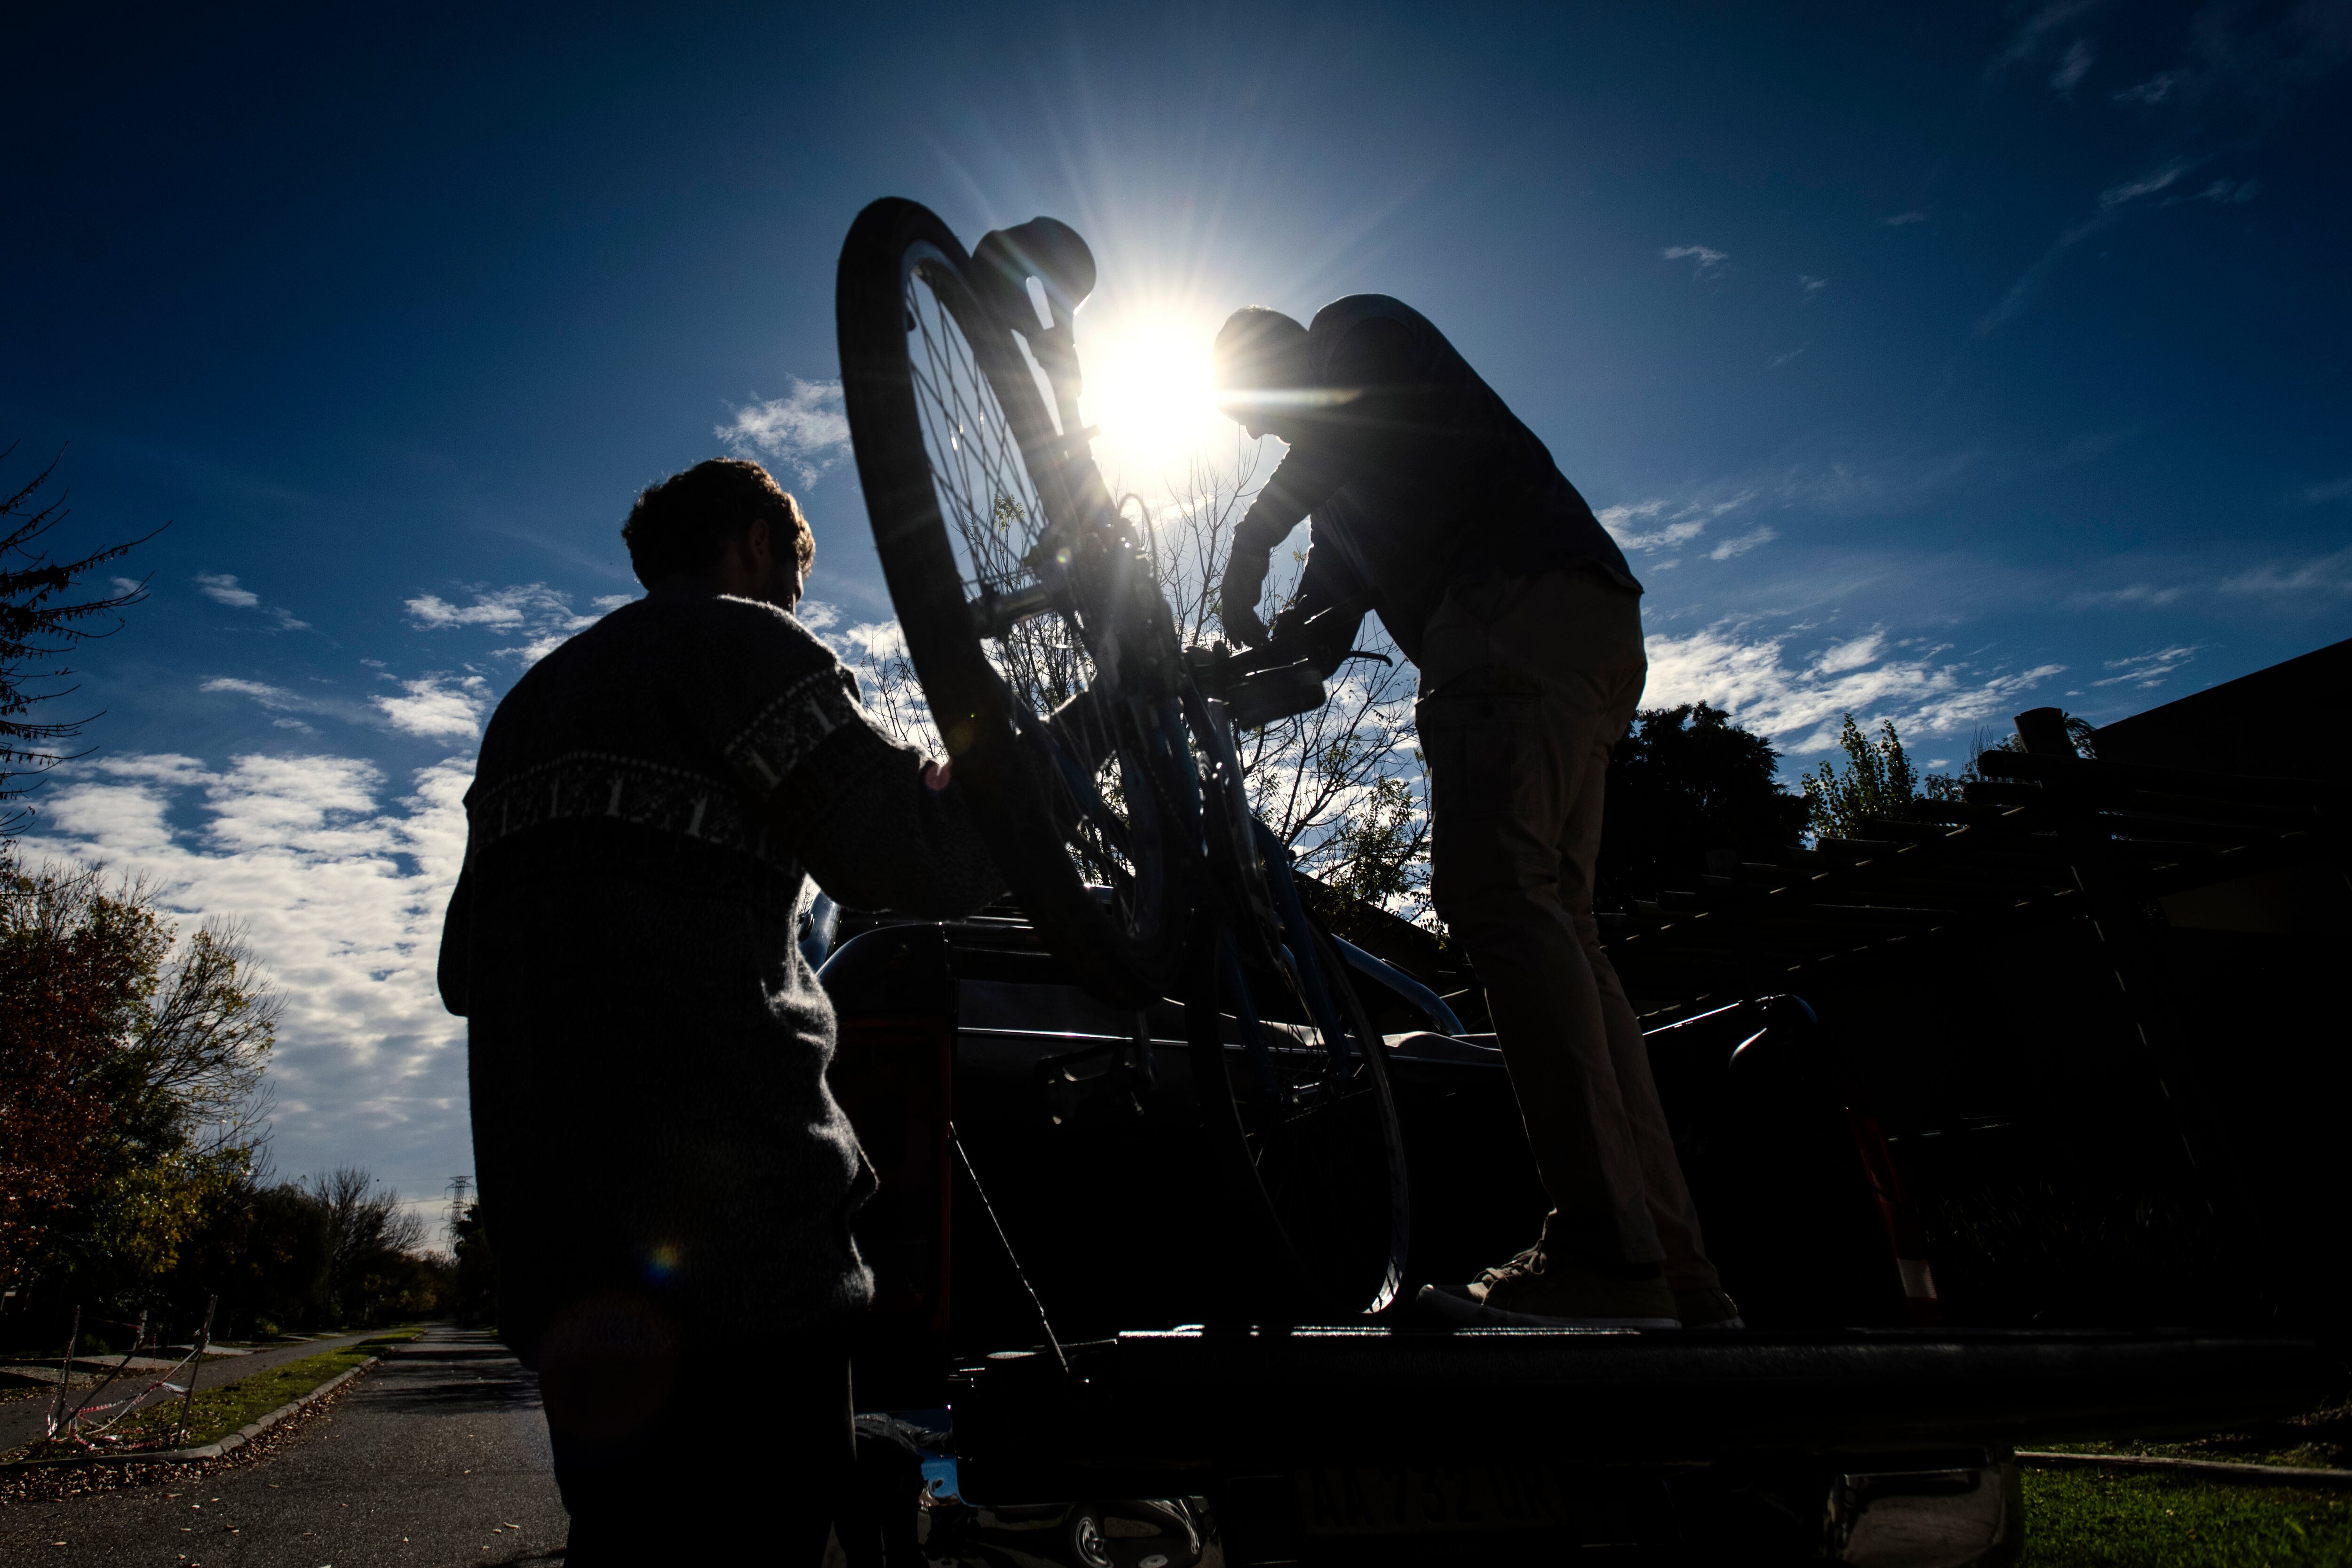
[1526, 686]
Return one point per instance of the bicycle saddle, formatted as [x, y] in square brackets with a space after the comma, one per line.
[1046, 249]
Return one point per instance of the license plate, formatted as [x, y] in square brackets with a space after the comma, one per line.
[1335, 1500]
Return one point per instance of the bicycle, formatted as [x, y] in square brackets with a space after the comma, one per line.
[1098, 754]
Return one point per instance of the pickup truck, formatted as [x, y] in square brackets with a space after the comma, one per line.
[1059, 1306]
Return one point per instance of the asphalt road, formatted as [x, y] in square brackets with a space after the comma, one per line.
[437, 1457]
[21, 1418]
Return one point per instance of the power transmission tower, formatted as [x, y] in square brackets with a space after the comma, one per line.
[457, 1186]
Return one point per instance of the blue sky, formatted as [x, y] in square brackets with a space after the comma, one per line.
[1933, 361]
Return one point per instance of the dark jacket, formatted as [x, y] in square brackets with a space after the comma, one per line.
[1417, 475]
[646, 1045]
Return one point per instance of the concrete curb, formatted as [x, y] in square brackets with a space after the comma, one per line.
[228, 1444]
[2202, 1469]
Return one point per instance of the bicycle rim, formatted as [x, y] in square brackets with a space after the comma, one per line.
[1307, 1137]
[953, 449]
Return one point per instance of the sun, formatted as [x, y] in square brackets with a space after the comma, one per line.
[1147, 387]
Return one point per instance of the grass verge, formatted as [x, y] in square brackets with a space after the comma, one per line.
[2097, 1518]
[216, 1412]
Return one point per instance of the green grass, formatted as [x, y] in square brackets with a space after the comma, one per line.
[216, 1412]
[2097, 1518]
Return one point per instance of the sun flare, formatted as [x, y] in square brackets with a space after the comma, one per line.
[1148, 388]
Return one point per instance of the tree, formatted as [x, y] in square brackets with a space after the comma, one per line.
[1879, 780]
[41, 619]
[131, 1078]
[1689, 792]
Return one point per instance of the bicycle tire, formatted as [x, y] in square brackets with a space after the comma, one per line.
[1321, 1193]
[942, 407]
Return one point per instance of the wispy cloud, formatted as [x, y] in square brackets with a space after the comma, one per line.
[2326, 575]
[1743, 543]
[1706, 262]
[2334, 489]
[805, 429]
[1798, 702]
[1779, 359]
[1809, 285]
[2155, 90]
[543, 615]
[1899, 219]
[1662, 524]
[222, 588]
[281, 701]
[2074, 68]
[2035, 32]
[2229, 194]
[2146, 185]
[2147, 669]
[2111, 200]
[2132, 594]
[343, 889]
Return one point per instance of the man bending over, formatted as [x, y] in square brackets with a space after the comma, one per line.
[667, 1179]
[1434, 505]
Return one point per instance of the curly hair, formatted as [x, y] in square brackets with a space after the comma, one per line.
[682, 523]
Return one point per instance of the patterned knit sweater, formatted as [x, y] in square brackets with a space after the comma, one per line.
[646, 1045]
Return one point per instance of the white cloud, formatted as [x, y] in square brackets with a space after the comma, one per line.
[2334, 489]
[2229, 194]
[1799, 705]
[1808, 284]
[2074, 68]
[344, 892]
[221, 588]
[816, 614]
[437, 707]
[1705, 262]
[1779, 360]
[542, 615]
[126, 585]
[806, 428]
[1899, 219]
[1743, 543]
[2147, 669]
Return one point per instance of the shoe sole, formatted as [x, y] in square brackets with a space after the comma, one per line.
[1461, 1309]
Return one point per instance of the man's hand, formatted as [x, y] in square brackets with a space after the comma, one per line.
[1245, 572]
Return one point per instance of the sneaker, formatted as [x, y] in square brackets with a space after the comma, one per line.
[1533, 1291]
[1706, 1307]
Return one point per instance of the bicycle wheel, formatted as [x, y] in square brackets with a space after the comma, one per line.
[1303, 1128]
[966, 485]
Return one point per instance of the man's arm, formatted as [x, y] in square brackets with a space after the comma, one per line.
[1307, 476]
[879, 828]
[1373, 370]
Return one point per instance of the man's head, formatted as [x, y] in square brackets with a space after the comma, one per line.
[721, 527]
[1261, 368]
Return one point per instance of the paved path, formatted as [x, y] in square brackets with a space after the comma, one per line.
[438, 1458]
[21, 1417]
